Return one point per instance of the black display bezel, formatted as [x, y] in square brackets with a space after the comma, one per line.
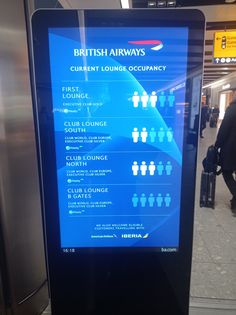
[42, 20]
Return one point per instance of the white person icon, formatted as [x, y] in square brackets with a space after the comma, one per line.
[135, 99]
[135, 168]
[135, 135]
[144, 99]
[153, 99]
[151, 168]
[144, 134]
[143, 168]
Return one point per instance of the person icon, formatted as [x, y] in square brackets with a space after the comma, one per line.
[160, 168]
[168, 168]
[144, 99]
[135, 99]
[135, 200]
[135, 135]
[151, 200]
[135, 168]
[143, 200]
[159, 200]
[152, 135]
[167, 200]
[161, 135]
[162, 99]
[143, 168]
[169, 135]
[153, 99]
[151, 168]
[144, 135]
[171, 99]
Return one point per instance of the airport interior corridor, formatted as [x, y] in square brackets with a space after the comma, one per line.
[102, 110]
[214, 247]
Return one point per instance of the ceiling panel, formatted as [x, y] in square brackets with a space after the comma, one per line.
[91, 4]
[219, 17]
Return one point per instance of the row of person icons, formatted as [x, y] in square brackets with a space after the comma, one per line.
[152, 135]
[151, 169]
[151, 200]
[153, 99]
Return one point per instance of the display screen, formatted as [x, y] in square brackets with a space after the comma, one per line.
[118, 107]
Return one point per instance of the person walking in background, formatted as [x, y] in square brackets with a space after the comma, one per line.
[215, 112]
[226, 143]
[204, 111]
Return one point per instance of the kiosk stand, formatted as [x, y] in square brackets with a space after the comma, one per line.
[114, 119]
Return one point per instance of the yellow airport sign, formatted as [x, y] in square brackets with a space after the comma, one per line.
[225, 47]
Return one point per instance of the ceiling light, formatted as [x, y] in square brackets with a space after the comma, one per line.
[152, 4]
[171, 3]
[230, 1]
[125, 4]
[161, 4]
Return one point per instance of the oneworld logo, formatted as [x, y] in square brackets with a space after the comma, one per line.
[134, 235]
[158, 44]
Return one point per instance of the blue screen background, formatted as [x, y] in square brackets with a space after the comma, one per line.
[102, 203]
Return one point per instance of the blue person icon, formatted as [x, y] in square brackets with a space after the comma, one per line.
[152, 135]
[151, 200]
[168, 168]
[169, 135]
[159, 200]
[160, 168]
[162, 99]
[171, 99]
[143, 200]
[135, 200]
[167, 200]
[161, 135]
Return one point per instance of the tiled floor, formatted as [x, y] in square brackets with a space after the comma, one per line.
[214, 255]
[213, 286]
[200, 307]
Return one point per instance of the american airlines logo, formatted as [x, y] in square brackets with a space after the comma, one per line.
[120, 52]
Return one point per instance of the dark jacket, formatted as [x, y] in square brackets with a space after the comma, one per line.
[204, 112]
[226, 139]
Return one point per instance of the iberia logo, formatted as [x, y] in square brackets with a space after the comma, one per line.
[158, 44]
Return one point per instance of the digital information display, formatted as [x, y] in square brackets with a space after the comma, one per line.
[119, 125]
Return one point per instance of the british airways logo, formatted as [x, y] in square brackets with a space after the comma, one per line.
[121, 52]
[158, 44]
